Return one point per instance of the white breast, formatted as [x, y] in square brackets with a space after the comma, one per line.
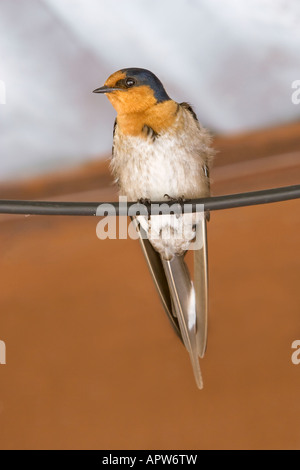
[172, 163]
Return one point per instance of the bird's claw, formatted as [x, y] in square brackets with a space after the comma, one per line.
[146, 202]
[179, 200]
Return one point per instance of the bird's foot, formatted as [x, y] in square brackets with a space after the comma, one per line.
[146, 202]
[179, 200]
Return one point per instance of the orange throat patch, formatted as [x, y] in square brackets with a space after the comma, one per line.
[158, 117]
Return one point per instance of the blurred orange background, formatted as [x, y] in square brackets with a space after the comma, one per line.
[91, 359]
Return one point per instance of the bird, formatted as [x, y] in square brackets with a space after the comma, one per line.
[160, 150]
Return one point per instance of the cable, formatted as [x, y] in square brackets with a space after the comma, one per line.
[90, 208]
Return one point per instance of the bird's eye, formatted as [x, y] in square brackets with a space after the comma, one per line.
[129, 82]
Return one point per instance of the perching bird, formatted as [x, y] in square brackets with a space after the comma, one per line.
[160, 150]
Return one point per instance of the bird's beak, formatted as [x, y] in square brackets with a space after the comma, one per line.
[106, 89]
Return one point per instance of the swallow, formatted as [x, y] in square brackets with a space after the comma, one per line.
[161, 150]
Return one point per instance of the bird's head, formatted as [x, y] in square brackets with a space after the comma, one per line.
[133, 90]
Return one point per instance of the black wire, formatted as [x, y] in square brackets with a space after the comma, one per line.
[210, 204]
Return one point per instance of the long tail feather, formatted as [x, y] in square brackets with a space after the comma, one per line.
[201, 287]
[158, 275]
[185, 303]
[183, 295]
